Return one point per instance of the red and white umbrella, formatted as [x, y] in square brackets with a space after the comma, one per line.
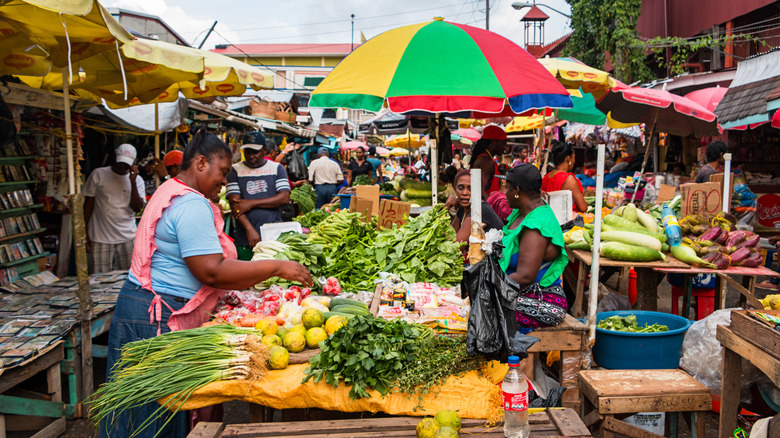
[353, 145]
[661, 110]
[469, 133]
[708, 97]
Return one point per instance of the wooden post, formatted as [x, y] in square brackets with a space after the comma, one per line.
[729, 392]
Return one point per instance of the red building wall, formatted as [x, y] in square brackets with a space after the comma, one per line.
[685, 18]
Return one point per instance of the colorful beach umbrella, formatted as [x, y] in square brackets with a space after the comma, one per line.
[440, 67]
[574, 74]
[708, 97]
[353, 145]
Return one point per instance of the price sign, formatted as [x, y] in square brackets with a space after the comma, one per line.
[705, 199]
[369, 192]
[393, 212]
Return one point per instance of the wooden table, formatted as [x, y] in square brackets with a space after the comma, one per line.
[747, 286]
[570, 338]
[647, 278]
[30, 410]
[553, 423]
[754, 342]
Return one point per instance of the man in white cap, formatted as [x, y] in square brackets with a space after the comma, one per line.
[257, 188]
[112, 197]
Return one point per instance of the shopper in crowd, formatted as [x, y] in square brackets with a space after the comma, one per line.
[376, 165]
[405, 169]
[519, 155]
[325, 174]
[146, 170]
[462, 220]
[257, 188]
[113, 195]
[715, 151]
[182, 264]
[421, 167]
[358, 166]
[561, 178]
[172, 162]
[486, 150]
[456, 161]
[534, 254]
[497, 200]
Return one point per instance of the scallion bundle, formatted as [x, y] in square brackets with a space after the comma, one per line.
[177, 364]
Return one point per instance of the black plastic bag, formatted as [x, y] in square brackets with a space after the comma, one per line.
[492, 328]
[296, 168]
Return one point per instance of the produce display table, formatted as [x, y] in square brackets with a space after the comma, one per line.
[647, 278]
[552, 423]
[746, 288]
[570, 338]
[29, 410]
[755, 342]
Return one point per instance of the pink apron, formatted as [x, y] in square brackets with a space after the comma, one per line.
[198, 309]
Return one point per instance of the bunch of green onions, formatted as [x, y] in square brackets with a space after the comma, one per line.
[176, 364]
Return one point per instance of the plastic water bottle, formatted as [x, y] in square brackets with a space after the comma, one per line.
[515, 389]
[672, 230]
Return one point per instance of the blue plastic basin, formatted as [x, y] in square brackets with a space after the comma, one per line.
[638, 351]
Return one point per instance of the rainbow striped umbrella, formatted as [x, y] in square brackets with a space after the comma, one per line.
[440, 67]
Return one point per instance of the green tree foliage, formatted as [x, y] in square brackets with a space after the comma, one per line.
[608, 28]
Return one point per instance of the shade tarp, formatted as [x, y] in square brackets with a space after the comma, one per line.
[472, 395]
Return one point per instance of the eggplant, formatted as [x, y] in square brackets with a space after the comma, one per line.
[752, 240]
[712, 234]
[721, 261]
[701, 229]
[735, 238]
[723, 237]
[712, 248]
[753, 261]
[740, 255]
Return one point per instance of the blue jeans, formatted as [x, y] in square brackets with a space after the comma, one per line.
[325, 193]
[129, 323]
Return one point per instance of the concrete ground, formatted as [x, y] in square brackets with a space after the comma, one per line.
[238, 412]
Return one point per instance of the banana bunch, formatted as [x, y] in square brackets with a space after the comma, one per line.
[333, 228]
[267, 250]
[771, 302]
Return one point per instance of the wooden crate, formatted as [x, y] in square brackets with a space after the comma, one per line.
[554, 423]
[756, 332]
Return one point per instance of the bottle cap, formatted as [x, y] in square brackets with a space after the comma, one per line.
[513, 360]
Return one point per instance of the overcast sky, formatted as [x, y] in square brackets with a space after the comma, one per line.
[328, 21]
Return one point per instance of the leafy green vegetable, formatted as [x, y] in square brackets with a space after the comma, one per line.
[361, 180]
[373, 353]
[312, 218]
[304, 196]
[629, 324]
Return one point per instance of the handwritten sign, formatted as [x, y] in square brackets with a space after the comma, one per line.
[719, 178]
[705, 199]
[363, 206]
[369, 192]
[393, 212]
[665, 193]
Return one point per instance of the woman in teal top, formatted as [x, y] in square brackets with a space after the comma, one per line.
[534, 254]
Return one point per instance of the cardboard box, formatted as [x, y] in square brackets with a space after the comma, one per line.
[665, 193]
[719, 178]
[561, 203]
[369, 193]
[393, 212]
[705, 199]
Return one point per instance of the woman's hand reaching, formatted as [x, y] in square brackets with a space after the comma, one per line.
[294, 271]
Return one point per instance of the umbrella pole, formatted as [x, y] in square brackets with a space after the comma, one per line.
[593, 300]
[547, 154]
[647, 154]
[726, 182]
[156, 140]
[76, 203]
[434, 154]
[541, 141]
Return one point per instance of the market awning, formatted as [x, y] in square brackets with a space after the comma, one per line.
[747, 99]
[143, 116]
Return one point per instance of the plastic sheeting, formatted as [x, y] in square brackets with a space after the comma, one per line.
[142, 116]
[472, 395]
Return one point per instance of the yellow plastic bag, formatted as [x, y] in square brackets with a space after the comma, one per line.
[471, 395]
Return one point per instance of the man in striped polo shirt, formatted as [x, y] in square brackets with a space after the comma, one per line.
[256, 189]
